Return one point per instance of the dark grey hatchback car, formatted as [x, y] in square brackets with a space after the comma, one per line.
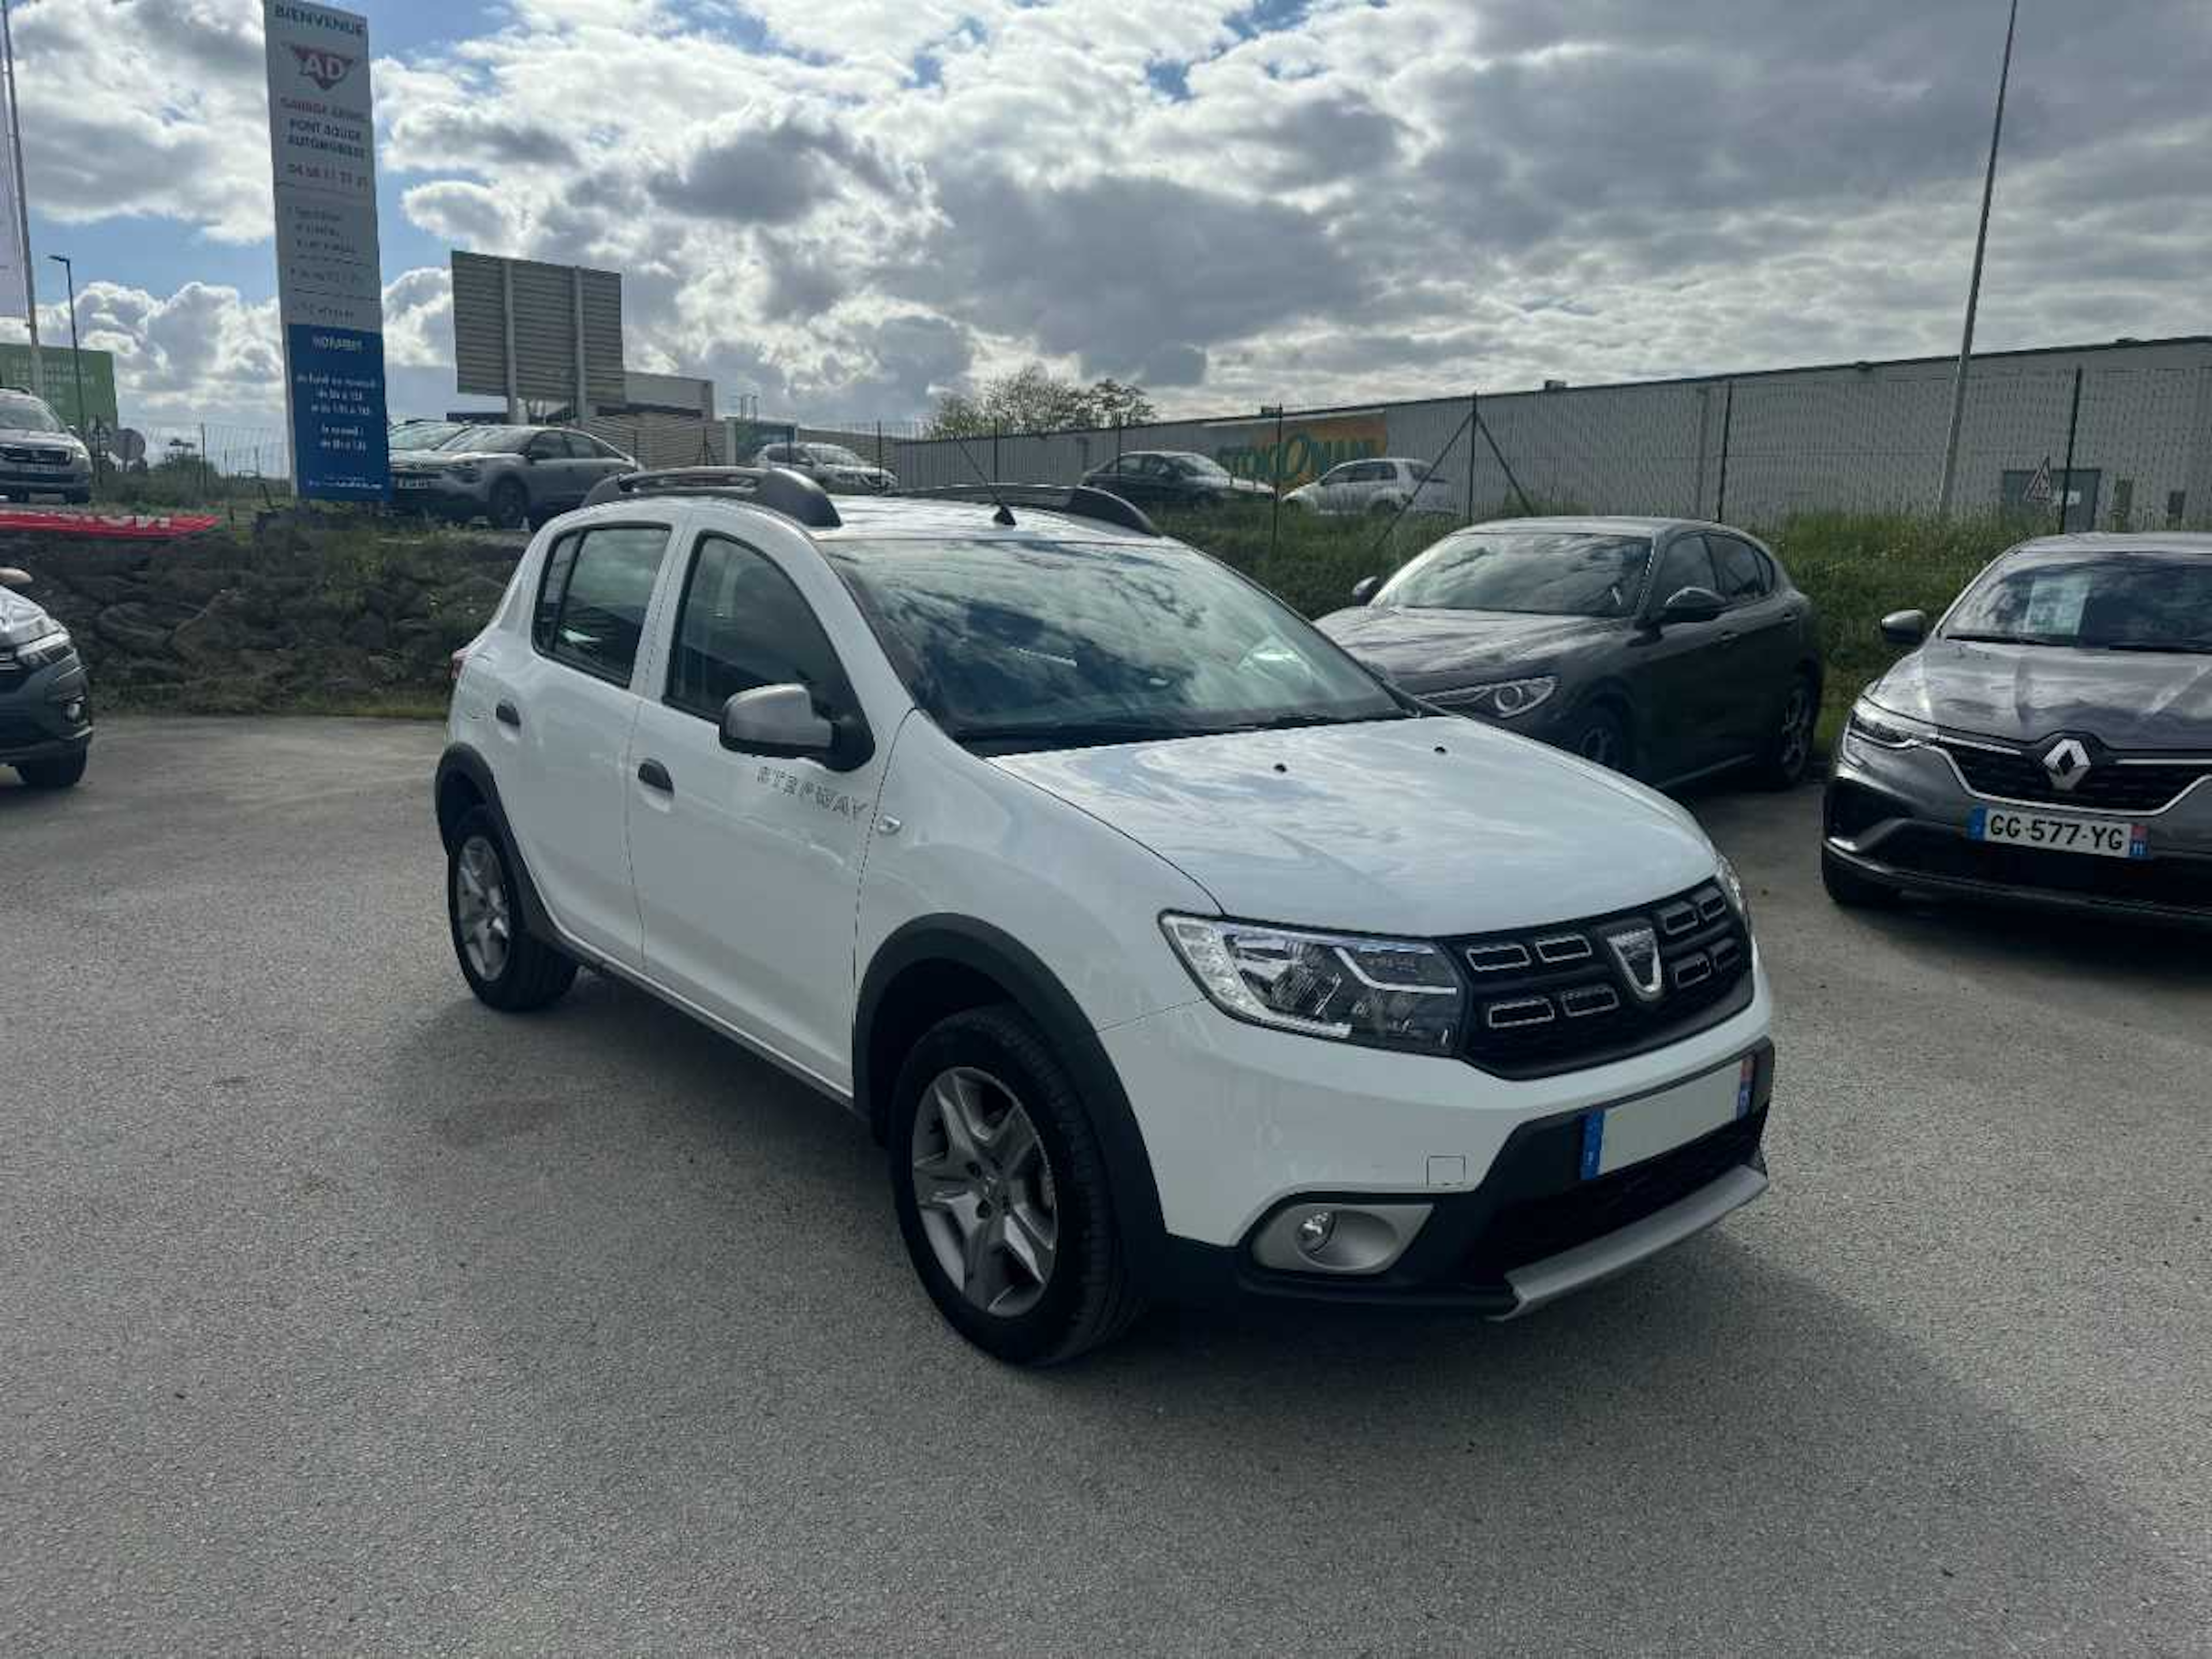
[1662, 647]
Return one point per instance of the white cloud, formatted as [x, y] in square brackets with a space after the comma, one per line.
[844, 204]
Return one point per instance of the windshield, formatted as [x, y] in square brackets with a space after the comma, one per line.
[836, 455]
[424, 434]
[21, 414]
[2097, 599]
[1047, 645]
[1544, 573]
[490, 439]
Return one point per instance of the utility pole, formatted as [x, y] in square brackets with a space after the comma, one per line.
[77, 357]
[1974, 286]
[1275, 518]
[14, 136]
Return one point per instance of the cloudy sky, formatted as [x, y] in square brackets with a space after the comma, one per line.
[845, 206]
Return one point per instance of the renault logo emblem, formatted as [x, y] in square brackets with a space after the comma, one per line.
[1637, 950]
[2067, 761]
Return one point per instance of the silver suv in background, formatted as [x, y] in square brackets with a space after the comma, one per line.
[1382, 483]
[40, 456]
[834, 467]
[512, 475]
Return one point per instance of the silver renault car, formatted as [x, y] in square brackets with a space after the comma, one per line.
[39, 455]
[2048, 742]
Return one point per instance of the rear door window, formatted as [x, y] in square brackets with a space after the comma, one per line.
[1742, 571]
[594, 618]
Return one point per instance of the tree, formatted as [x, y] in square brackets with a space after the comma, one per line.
[1031, 400]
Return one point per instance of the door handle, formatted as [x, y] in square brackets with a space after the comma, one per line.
[653, 775]
[507, 715]
[1727, 639]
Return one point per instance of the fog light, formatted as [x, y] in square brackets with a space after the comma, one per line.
[1340, 1238]
[1315, 1230]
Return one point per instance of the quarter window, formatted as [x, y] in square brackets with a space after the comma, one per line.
[591, 610]
[744, 625]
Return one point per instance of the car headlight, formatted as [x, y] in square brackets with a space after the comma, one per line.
[46, 648]
[1732, 885]
[1503, 699]
[1387, 993]
[1878, 726]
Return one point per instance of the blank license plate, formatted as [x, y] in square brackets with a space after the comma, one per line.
[2108, 840]
[410, 484]
[1615, 1137]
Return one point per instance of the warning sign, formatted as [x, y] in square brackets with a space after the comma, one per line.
[2038, 492]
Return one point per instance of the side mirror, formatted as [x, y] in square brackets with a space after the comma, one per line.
[777, 720]
[1906, 627]
[1365, 589]
[11, 577]
[1692, 605]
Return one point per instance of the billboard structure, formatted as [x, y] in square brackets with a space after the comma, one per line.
[18, 291]
[525, 330]
[329, 281]
[94, 370]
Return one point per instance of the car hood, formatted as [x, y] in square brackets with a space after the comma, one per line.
[1417, 827]
[24, 435]
[21, 621]
[2131, 699]
[431, 460]
[1425, 650]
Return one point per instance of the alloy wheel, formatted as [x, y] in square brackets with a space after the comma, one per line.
[481, 913]
[1599, 744]
[1796, 733]
[984, 1191]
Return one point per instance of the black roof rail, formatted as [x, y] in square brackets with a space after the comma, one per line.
[1076, 500]
[776, 488]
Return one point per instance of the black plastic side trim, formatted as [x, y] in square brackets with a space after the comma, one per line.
[461, 760]
[987, 949]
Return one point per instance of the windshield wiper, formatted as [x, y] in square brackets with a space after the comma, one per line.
[1074, 734]
[2180, 647]
[1293, 722]
[2002, 639]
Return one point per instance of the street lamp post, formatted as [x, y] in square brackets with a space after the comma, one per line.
[76, 357]
[1949, 485]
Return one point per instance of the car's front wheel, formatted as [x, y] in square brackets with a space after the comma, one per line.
[1002, 1192]
[1789, 750]
[1598, 734]
[504, 965]
[510, 505]
[62, 774]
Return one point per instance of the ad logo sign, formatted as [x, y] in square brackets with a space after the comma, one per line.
[325, 69]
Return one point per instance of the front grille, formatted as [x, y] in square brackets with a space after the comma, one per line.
[2014, 775]
[16, 732]
[1534, 1228]
[1556, 999]
[2159, 879]
[26, 455]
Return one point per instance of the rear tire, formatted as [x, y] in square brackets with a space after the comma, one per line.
[506, 967]
[1790, 751]
[62, 774]
[996, 1173]
[1851, 890]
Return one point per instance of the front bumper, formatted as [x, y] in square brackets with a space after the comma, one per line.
[75, 479]
[439, 496]
[36, 723]
[1240, 1123]
[1900, 817]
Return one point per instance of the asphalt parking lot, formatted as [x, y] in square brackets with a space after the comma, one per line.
[341, 1313]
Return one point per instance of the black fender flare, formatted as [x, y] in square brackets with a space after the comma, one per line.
[462, 760]
[1039, 994]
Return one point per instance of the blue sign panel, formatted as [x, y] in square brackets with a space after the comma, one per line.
[339, 428]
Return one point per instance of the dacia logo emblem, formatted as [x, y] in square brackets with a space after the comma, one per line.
[2067, 761]
[1637, 950]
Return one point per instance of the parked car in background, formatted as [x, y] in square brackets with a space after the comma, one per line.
[2048, 742]
[422, 434]
[1171, 478]
[1168, 952]
[1382, 483]
[511, 474]
[39, 455]
[1661, 647]
[834, 467]
[45, 701]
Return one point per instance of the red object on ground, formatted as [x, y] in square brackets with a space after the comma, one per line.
[148, 527]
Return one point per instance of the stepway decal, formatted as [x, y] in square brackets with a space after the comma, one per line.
[1309, 448]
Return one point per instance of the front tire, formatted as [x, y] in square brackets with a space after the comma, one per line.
[510, 505]
[1001, 1193]
[1601, 736]
[504, 965]
[62, 774]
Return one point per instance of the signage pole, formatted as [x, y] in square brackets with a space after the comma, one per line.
[1974, 286]
[22, 202]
